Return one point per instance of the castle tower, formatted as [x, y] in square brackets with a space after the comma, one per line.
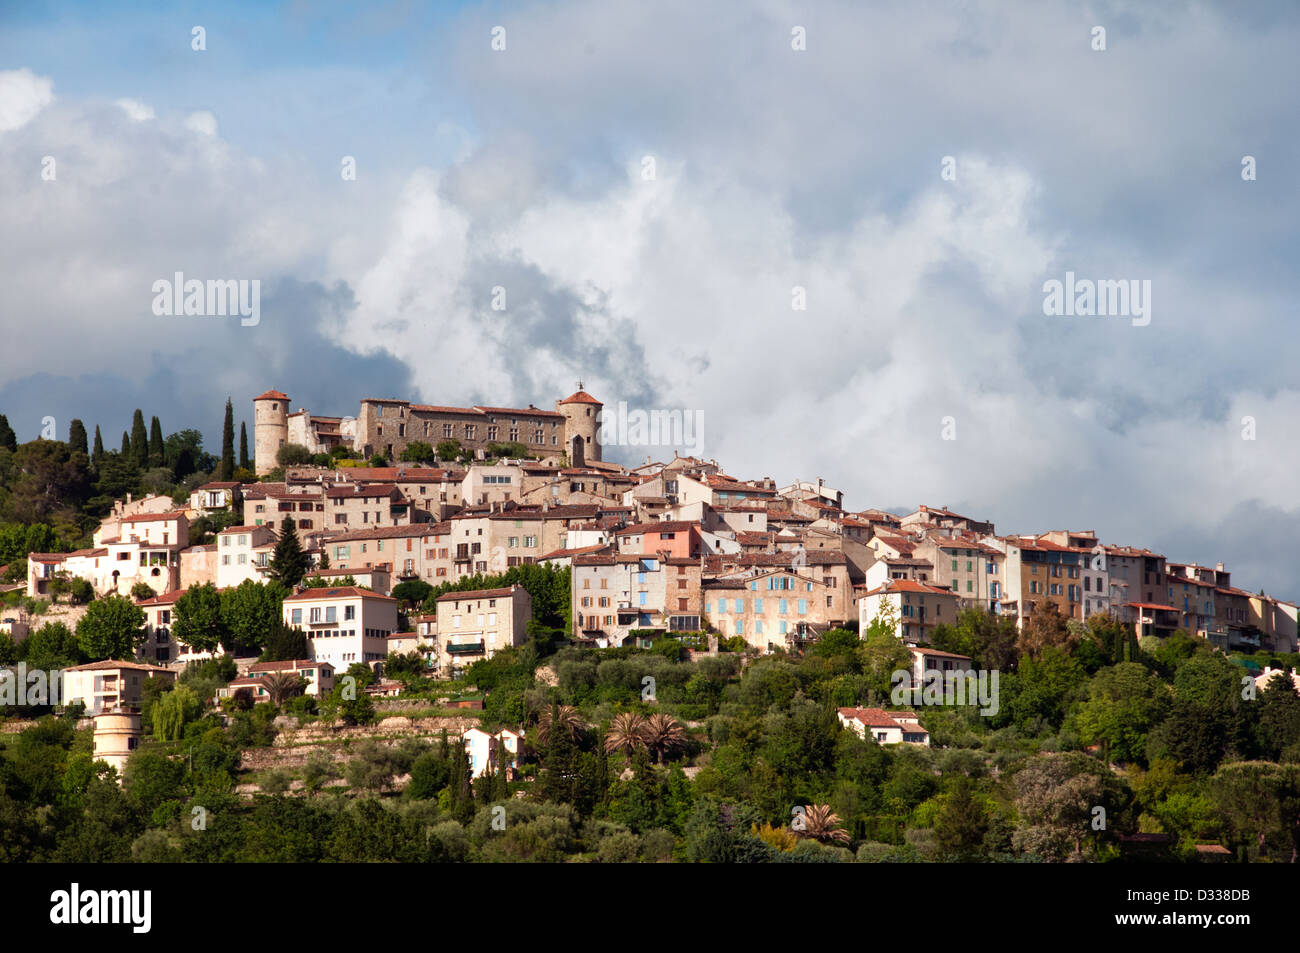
[270, 429]
[581, 426]
[117, 735]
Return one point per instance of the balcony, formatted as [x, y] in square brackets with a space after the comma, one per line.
[465, 648]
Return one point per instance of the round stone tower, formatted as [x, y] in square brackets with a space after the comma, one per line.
[581, 426]
[117, 735]
[270, 429]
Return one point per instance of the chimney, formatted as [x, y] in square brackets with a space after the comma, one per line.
[1218, 567]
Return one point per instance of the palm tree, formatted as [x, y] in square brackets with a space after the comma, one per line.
[663, 733]
[562, 718]
[823, 824]
[282, 686]
[627, 730]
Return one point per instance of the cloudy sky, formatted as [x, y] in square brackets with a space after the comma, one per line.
[525, 168]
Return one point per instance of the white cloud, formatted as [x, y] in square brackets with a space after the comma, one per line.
[135, 109]
[202, 122]
[23, 94]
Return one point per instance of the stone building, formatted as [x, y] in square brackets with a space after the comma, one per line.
[387, 427]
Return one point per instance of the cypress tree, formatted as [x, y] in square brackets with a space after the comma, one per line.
[77, 436]
[126, 446]
[243, 445]
[99, 446]
[289, 563]
[139, 440]
[227, 467]
[155, 444]
[8, 439]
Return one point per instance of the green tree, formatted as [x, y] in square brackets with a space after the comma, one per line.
[52, 646]
[139, 440]
[293, 455]
[50, 482]
[80, 591]
[126, 447]
[226, 469]
[8, 439]
[284, 643]
[77, 436]
[243, 446]
[989, 640]
[1045, 628]
[112, 628]
[155, 443]
[419, 452]
[1056, 794]
[283, 686]
[962, 822]
[197, 620]
[1279, 718]
[412, 593]
[430, 773]
[174, 711]
[449, 450]
[1250, 795]
[289, 563]
[251, 612]
[97, 453]
[1124, 703]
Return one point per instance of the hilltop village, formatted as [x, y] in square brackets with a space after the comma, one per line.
[484, 573]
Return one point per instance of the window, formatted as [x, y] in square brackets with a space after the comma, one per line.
[296, 617]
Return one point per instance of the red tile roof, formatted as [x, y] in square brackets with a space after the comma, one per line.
[910, 585]
[879, 718]
[476, 594]
[581, 397]
[109, 664]
[272, 395]
[336, 592]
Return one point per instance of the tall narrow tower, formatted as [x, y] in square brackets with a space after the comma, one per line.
[270, 429]
[581, 426]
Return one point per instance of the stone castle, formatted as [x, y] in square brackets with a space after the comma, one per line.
[386, 427]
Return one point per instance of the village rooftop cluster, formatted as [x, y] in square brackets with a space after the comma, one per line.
[668, 546]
